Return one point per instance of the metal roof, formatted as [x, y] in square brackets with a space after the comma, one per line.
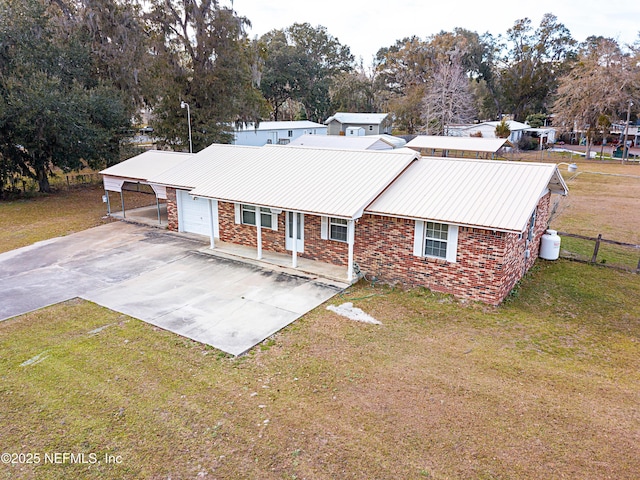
[286, 125]
[358, 118]
[468, 144]
[204, 164]
[337, 183]
[147, 164]
[372, 142]
[489, 194]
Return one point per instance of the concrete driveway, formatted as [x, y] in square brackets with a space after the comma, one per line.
[160, 278]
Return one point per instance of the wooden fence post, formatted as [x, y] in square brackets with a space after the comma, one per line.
[597, 247]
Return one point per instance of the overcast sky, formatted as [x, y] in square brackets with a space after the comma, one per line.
[366, 26]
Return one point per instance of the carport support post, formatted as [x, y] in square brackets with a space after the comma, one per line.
[350, 242]
[122, 201]
[259, 232]
[108, 202]
[294, 242]
[158, 205]
[211, 229]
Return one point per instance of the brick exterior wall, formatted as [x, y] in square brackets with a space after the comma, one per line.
[315, 248]
[488, 264]
[247, 235]
[487, 267]
[515, 264]
[172, 209]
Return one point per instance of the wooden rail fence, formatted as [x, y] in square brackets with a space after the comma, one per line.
[599, 240]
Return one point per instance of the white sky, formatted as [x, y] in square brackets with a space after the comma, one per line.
[366, 26]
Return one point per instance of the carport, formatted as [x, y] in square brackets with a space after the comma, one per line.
[432, 145]
[132, 176]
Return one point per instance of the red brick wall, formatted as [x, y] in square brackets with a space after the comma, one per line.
[172, 209]
[233, 232]
[315, 248]
[515, 263]
[384, 248]
[488, 263]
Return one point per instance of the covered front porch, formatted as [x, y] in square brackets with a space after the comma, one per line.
[334, 274]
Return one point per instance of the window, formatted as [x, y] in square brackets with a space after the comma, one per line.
[290, 133]
[436, 240]
[338, 229]
[435, 244]
[249, 216]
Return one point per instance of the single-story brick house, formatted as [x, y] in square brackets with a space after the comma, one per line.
[467, 227]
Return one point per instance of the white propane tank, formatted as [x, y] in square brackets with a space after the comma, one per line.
[550, 245]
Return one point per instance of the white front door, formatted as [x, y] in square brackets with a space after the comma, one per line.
[300, 228]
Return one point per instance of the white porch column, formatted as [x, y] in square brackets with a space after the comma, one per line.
[350, 242]
[212, 231]
[259, 232]
[294, 244]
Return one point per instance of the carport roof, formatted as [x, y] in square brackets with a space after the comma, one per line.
[205, 164]
[146, 165]
[488, 194]
[337, 183]
[469, 144]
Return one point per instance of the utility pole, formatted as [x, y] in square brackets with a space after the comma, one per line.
[186, 105]
[625, 149]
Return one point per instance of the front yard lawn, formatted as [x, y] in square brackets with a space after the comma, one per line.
[545, 386]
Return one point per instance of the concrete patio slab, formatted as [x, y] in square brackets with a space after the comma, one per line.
[161, 278]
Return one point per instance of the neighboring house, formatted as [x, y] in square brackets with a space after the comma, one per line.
[470, 228]
[488, 130]
[448, 146]
[372, 123]
[371, 142]
[545, 135]
[276, 133]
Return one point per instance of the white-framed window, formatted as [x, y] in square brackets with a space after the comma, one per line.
[435, 240]
[338, 229]
[249, 215]
[290, 133]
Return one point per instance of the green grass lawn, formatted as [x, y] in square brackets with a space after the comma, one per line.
[545, 386]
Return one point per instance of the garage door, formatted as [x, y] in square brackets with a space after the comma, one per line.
[193, 214]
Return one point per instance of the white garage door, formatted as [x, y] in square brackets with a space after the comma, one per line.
[193, 214]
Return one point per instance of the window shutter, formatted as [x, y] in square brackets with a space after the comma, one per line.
[238, 212]
[274, 221]
[418, 239]
[452, 243]
[324, 228]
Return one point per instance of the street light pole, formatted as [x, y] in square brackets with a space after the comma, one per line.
[186, 105]
[625, 149]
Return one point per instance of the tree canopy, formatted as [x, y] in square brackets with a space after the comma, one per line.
[76, 74]
[56, 112]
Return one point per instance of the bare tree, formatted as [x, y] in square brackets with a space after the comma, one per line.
[601, 83]
[448, 98]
